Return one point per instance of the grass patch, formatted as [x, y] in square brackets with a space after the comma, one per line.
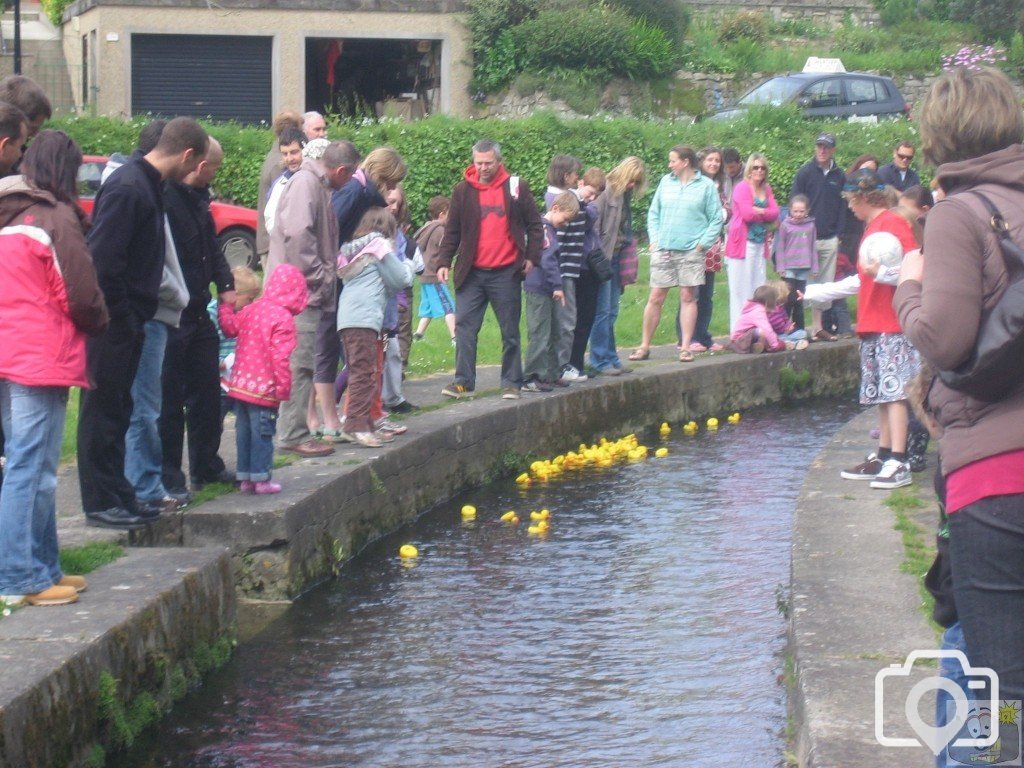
[918, 552]
[89, 557]
[211, 491]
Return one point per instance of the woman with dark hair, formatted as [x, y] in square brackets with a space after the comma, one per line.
[971, 129]
[50, 300]
[710, 159]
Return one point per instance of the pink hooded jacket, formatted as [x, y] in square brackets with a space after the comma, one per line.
[754, 315]
[266, 335]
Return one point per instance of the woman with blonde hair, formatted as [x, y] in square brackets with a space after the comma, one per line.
[971, 129]
[614, 225]
[746, 249]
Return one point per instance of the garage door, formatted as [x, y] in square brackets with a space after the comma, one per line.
[225, 77]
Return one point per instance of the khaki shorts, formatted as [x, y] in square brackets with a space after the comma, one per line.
[670, 269]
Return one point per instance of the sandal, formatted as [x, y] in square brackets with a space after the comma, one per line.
[823, 335]
[686, 356]
[640, 354]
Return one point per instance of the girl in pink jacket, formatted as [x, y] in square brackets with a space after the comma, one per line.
[754, 332]
[261, 377]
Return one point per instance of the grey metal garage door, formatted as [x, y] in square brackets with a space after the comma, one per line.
[224, 77]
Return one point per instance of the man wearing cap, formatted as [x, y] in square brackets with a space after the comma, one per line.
[822, 181]
[898, 173]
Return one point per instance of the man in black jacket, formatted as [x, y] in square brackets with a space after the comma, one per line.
[898, 173]
[127, 245]
[822, 181]
[191, 374]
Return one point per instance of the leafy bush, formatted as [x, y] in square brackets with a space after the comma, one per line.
[596, 38]
[995, 19]
[893, 12]
[437, 149]
[496, 67]
[54, 9]
[651, 54]
[670, 16]
[745, 24]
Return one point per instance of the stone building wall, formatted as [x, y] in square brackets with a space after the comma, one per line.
[822, 12]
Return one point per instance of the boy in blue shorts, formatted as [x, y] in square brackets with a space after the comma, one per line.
[435, 298]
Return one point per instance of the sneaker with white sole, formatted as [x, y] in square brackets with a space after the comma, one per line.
[866, 470]
[894, 474]
[510, 393]
[534, 386]
[570, 374]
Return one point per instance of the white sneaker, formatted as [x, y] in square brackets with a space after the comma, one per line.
[894, 474]
[569, 373]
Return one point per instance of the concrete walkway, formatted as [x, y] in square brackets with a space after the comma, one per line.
[425, 393]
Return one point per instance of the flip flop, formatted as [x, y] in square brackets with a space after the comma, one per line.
[686, 356]
[640, 354]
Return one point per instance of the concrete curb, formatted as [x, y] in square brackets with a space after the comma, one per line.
[146, 619]
[853, 613]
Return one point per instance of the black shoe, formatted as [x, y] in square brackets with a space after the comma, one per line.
[403, 407]
[115, 517]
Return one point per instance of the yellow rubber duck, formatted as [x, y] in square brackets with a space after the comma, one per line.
[468, 512]
[734, 418]
[523, 479]
[544, 514]
[507, 517]
[665, 429]
[661, 453]
[712, 423]
[408, 552]
[536, 530]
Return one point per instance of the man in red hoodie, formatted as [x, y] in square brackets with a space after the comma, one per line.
[495, 227]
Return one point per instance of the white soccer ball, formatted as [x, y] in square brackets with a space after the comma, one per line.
[880, 248]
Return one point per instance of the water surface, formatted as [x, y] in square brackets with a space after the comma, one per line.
[642, 631]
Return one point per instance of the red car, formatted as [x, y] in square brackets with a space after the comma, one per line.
[236, 226]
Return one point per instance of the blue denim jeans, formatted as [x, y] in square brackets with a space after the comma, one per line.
[986, 548]
[603, 353]
[254, 436]
[951, 669]
[143, 461]
[33, 420]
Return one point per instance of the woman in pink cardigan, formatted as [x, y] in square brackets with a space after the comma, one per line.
[746, 249]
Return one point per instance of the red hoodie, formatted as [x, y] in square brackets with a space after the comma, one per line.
[496, 248]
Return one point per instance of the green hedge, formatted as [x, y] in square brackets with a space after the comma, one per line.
[437, 149]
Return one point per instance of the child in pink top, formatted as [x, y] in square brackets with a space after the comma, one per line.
[261, 377]
[754, 331]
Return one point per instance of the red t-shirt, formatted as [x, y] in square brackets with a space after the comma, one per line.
[874, 302]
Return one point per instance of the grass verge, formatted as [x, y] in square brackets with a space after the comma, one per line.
[918, 551]
[89, 557]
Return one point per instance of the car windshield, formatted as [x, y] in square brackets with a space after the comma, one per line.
[776, 91]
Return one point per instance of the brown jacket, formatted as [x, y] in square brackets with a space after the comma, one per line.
[462, 230]
[306, 233]
[964, 274]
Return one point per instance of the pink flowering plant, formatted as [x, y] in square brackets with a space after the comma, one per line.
[974, 57]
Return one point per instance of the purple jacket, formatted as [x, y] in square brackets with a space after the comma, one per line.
[794, 245]
[547, 278]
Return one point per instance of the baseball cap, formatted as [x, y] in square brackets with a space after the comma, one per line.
[828, 139]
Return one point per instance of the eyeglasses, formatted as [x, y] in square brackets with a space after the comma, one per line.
[901, 156]
[759, 167]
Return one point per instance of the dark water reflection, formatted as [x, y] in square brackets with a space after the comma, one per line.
[642, 631]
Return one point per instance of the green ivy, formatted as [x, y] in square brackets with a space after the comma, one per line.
[437, 149]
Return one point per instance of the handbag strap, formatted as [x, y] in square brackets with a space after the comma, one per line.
[1013, 255]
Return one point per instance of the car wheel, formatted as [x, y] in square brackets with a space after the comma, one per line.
[239, 247]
